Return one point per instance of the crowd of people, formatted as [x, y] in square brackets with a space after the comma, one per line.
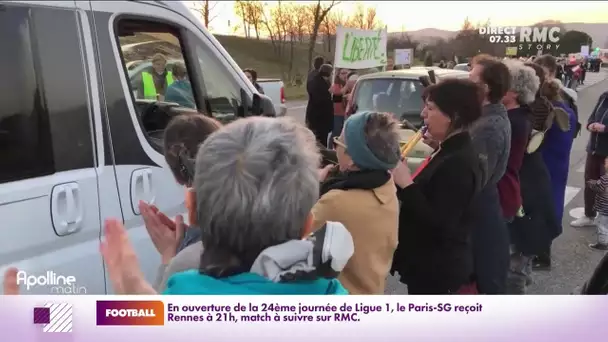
[265, 217]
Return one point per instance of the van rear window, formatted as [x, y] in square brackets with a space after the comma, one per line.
[400, 97]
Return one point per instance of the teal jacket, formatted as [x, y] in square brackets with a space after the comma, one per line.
[180, 92]
[191, 282]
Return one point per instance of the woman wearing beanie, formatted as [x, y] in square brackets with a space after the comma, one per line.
[362, 197]
[435, 220]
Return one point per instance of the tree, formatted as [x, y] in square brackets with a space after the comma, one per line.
[240, 9]
[572, 41]
[274, 23]
[250, 13]
[205, 9]
[295, 20]
[330, 25]
[468, 42]
[428, 59]
[319, 12]
[302, 17]
[365, 18]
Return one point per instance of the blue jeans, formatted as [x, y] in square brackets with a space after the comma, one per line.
[337, 129]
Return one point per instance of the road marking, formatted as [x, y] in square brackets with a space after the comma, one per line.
[581, 168]
[298, 107]
[571, 192]
[577, 213]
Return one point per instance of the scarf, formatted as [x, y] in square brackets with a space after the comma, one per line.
[540, 110]
[363, 180]
[323, 254]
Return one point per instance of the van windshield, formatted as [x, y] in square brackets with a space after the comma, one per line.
[400, 97]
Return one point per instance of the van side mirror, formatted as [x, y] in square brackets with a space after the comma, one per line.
[256, 106]
[267, 106]
[432, 76]
[262, 105]
[425, 81]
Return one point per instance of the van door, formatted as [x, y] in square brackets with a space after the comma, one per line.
[48, 165]
[132, 126]
[138, 44]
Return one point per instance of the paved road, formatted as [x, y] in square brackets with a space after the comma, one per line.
[573, 261]
[297, 110]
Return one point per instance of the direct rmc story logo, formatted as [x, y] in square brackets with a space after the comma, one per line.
[528, 38]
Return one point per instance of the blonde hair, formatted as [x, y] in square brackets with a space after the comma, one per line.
[551, 90]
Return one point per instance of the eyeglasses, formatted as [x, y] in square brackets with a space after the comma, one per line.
[339, 143]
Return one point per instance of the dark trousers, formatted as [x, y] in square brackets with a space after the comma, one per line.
[594, 169]
[337, 128]
[321, 135]
[583, 75]
[490, 238]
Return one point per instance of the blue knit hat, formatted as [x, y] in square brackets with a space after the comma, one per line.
[362, 156]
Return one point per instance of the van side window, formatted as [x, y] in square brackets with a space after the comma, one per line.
[45, 125]
[157, 73]
[223, 93]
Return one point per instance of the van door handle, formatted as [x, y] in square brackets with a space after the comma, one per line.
[67, 209]
[149, 186]
[75, 205]
[142, 188]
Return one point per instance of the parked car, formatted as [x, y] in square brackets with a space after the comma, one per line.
[399, 92]
[462, 67]
[78, 147]
[275, 89]
[425, 68]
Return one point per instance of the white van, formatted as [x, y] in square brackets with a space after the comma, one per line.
[78, 144]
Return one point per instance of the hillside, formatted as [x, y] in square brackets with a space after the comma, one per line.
[598, 32]
[259, 55]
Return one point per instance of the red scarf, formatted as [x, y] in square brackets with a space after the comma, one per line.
[422, 166]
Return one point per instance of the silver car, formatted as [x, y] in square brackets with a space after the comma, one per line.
[399, 92]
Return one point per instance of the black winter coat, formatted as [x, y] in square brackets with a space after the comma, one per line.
[598, 142]
[434, 255]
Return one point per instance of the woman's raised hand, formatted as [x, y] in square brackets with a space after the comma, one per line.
[10, 282]
[121, 261]
[164, 232]
[402, 175]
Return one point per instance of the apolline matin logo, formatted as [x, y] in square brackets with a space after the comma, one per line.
[144, 312]
[58, 284]
[55, 318]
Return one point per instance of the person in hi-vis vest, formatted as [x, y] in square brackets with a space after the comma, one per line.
[155, 84]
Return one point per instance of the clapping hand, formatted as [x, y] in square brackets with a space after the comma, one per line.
[121, 261]
[597, 127]
[402, 175]
[165, 233]
[10, 282]
[324, 172]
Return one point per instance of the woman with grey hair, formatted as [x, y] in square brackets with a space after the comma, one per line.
[523, 88]
[255, 182]
[362, 196]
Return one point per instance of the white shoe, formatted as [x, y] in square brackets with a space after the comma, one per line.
[583, 222]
